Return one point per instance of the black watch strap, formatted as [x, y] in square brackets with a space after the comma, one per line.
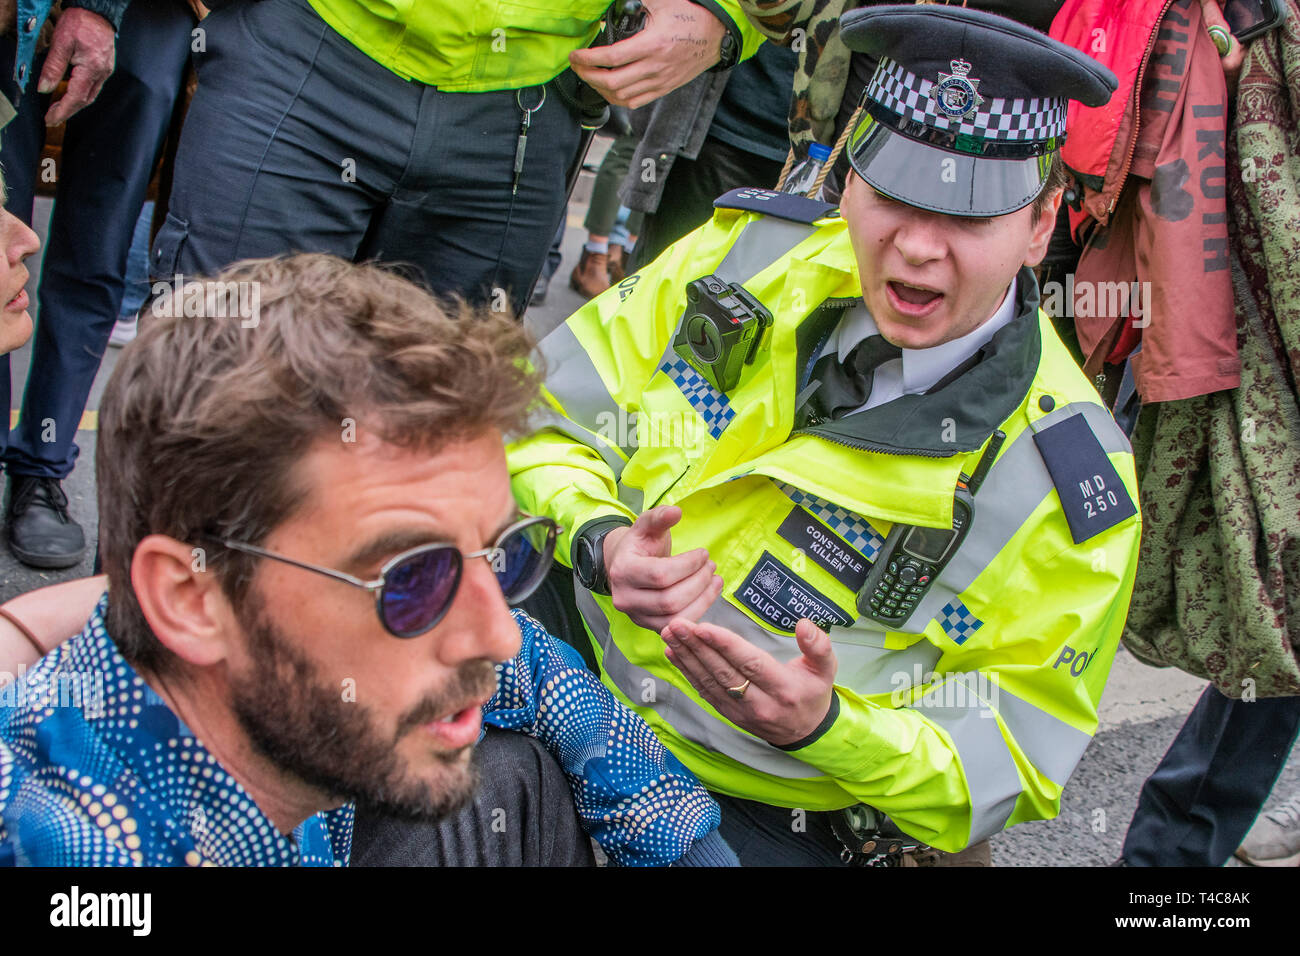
[732, 40]
[590, 568]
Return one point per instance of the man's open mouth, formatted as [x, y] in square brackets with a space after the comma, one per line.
[914, 295]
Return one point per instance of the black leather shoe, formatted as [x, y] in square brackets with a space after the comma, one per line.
[41, 533]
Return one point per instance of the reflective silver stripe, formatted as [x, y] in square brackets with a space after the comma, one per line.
[686, 716]
[1015, 486]
[991, 774]
[863, 668]
[632, 498]
[573, 380]
[546, 417]
[1052, 745]
[761, 243]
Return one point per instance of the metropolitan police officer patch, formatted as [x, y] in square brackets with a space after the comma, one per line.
[777, 595]
[1093, 497]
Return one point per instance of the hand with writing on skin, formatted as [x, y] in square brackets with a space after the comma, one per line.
[783, 703]
[649, 583]
[680, 40]
[82, 47]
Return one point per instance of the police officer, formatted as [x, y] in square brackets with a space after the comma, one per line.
[863, 554]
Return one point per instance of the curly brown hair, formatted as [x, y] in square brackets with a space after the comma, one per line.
[205, 416]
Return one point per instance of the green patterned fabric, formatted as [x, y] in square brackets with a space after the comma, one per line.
[1220, 474]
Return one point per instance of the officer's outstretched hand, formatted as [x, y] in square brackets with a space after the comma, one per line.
[680, 40]
[649, 583]
[781, 703]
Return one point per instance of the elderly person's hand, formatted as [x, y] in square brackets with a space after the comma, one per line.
[18, 242]
[83, 42]
[679, 42]
[1212, 11]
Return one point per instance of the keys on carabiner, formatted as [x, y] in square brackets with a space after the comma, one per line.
[521, 145]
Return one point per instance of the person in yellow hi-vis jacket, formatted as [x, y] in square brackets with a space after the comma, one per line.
[848, 526]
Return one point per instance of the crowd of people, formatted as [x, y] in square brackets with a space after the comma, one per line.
[810, 539]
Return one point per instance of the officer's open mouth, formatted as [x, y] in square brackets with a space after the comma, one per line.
[914, 295]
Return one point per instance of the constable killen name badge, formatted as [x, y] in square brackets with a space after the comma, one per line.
[1092, 495]
[825, 548]
[775, 594]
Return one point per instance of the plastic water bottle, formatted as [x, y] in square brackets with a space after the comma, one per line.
[801, 178]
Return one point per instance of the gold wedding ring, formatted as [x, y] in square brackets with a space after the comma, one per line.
[738, 692]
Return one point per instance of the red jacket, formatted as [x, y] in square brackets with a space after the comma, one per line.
[1153, 163]
[1120, 35]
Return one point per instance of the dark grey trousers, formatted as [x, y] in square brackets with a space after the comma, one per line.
[521, 815]
[296, 141]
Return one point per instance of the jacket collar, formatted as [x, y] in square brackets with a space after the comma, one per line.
[963, 409]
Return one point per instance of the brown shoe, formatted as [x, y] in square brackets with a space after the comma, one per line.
[590, 277]
[617, 263]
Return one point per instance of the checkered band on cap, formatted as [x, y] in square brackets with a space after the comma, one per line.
[996, 119]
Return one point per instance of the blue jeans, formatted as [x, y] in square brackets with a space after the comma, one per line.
[136, 281]
[298, 141]
[1202, 799]
[109, 152]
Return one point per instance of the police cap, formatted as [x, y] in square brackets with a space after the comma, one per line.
[966, 108]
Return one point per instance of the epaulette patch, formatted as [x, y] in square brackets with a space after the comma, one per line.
[1092, 494]
[779, 205]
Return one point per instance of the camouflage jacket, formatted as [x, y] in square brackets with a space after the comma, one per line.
[812, 29]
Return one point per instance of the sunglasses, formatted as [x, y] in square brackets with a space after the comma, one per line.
[415, 588]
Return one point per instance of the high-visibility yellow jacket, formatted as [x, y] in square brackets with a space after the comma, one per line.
[472, 47]
[973, 715]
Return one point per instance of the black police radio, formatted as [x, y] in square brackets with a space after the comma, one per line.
[912, 556]
[722, 330]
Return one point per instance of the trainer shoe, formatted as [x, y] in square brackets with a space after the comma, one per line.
[40, 531]
[540, 288]
[124, 331]
[1274, 840]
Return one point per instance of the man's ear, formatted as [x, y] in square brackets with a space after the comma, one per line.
[181, 600]
[1043, 227]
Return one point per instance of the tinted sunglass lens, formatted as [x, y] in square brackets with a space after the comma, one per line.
[418, 590]
[524, 559]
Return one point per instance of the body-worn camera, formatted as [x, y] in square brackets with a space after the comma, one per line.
[721, 331]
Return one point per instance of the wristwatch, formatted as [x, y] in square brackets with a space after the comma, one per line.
[729, 48]
[728, 52]
[587, 553]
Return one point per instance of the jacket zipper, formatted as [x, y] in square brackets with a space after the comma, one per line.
[872, 446]
[1137, 106]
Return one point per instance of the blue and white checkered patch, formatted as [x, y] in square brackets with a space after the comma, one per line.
[711, 404]
[997, 118]
[849, 526]
[958, 622]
